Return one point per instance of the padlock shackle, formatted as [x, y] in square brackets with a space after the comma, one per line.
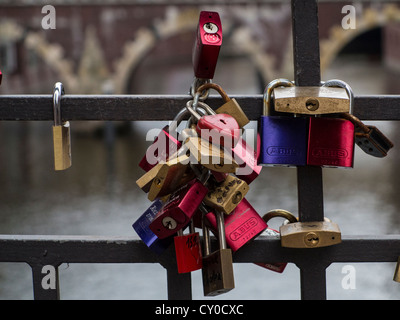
[279, 213]
[268, 93]
[57, 93]
[341, 84]
[217, 87]
[180, 116]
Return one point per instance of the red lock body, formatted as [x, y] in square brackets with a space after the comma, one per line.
[330, 142]
[163, 146]
[241, 226]
[188, 252]
[246, 157]
[220, 129]
[207, 45]
[179, 209]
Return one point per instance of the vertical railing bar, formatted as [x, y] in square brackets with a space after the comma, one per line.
[41, 292]
[179, 285]
[309, 179]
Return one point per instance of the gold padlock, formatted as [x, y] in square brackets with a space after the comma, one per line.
[209, 155]
[171, 175]
[61, 133]
[231, 106]
[311, 100]
[313, 234]
[226, 195]
[396, 276]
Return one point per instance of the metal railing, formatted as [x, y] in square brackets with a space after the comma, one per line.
[39, 251]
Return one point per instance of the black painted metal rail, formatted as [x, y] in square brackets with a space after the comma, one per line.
[39, 251]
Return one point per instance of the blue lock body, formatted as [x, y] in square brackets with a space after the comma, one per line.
[283, 141]
[283, 138]
[141, 226]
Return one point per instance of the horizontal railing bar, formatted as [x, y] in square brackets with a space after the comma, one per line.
[55, 250]
[159, 107]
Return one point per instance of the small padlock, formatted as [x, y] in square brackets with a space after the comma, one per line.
[331, 140]
[207, 45]
[188, 250]
[141, 226]
[283, 138]
[369, 138]
[311, 100]
[180, 207]
[241, 226]
[217, 271]
[246, 158]
[171, 175]
[61, 133]
[226, 195]
[231, 106]
[145, 181]
[219, 129]
[396, 276]
[313, 234]
[210, 156]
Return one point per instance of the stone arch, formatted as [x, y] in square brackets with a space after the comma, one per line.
[338, 37]
[177, 22]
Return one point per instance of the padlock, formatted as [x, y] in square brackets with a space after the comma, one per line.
[207, 45]
[283, 138]
[331, 140]
[312, 234]
[396, 276]
[210, 156]
[188, 250]
[311, 100]
[225, 196]
[246, 158]
[241, 226]
[231, 106]
[61, 133]
[217, 271]
[171, 175]
[369, 138]
[141, 226]
[180, 207]
[219, 129]
[145, 181]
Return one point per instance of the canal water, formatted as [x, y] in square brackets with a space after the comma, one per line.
[98, 196]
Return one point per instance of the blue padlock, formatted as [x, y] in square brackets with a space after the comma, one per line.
[141, 226]
[283, 138]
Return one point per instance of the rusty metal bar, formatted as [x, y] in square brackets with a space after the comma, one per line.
[159, 107]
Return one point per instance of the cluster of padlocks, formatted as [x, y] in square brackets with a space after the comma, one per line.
[195, 176]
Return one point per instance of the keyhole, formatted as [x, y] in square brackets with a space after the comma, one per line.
[311, 239]
[312, 104]
[223, 121]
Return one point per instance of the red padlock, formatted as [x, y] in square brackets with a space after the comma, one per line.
[219, 129]
[207, 45]
[180, 208]
[188, 251]
[246, 158]
[241, 226]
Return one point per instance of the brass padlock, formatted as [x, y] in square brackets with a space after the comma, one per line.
[396, 276]
[226, 195]
[217, 272]
[145, 181]
[171, 175]
[210, 156]
[230, 106]
[311, 100]
[61, 133]
[313, 234]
